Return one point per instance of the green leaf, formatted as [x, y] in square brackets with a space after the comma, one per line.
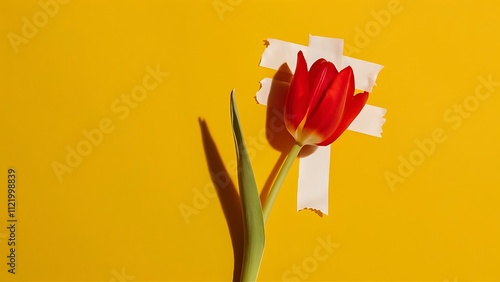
[252, 210]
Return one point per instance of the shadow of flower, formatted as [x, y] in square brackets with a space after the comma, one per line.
[277, 135]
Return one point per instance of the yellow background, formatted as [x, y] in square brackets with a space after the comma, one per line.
[119, 211]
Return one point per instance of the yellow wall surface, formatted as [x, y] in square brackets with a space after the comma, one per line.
[115, 188]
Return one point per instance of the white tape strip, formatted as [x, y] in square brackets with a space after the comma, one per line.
[314, 169]
[265, 88]
[365, 73]
[369, 121]
[330, 49]
[263, 93]
[279, 52]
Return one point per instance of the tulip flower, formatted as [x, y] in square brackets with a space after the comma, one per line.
[321, 103]
[320, 106]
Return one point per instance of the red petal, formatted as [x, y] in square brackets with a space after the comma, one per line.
[298, 96]
[327, 113]
[350, 85]
[321, 74]
[352, 110]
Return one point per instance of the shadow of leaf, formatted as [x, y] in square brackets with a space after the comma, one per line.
[228, 197]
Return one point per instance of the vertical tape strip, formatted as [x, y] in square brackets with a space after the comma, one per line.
[314, 171]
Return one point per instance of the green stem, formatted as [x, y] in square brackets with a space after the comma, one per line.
[280, 178]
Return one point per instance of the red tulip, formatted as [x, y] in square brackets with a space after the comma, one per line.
[321, 103]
